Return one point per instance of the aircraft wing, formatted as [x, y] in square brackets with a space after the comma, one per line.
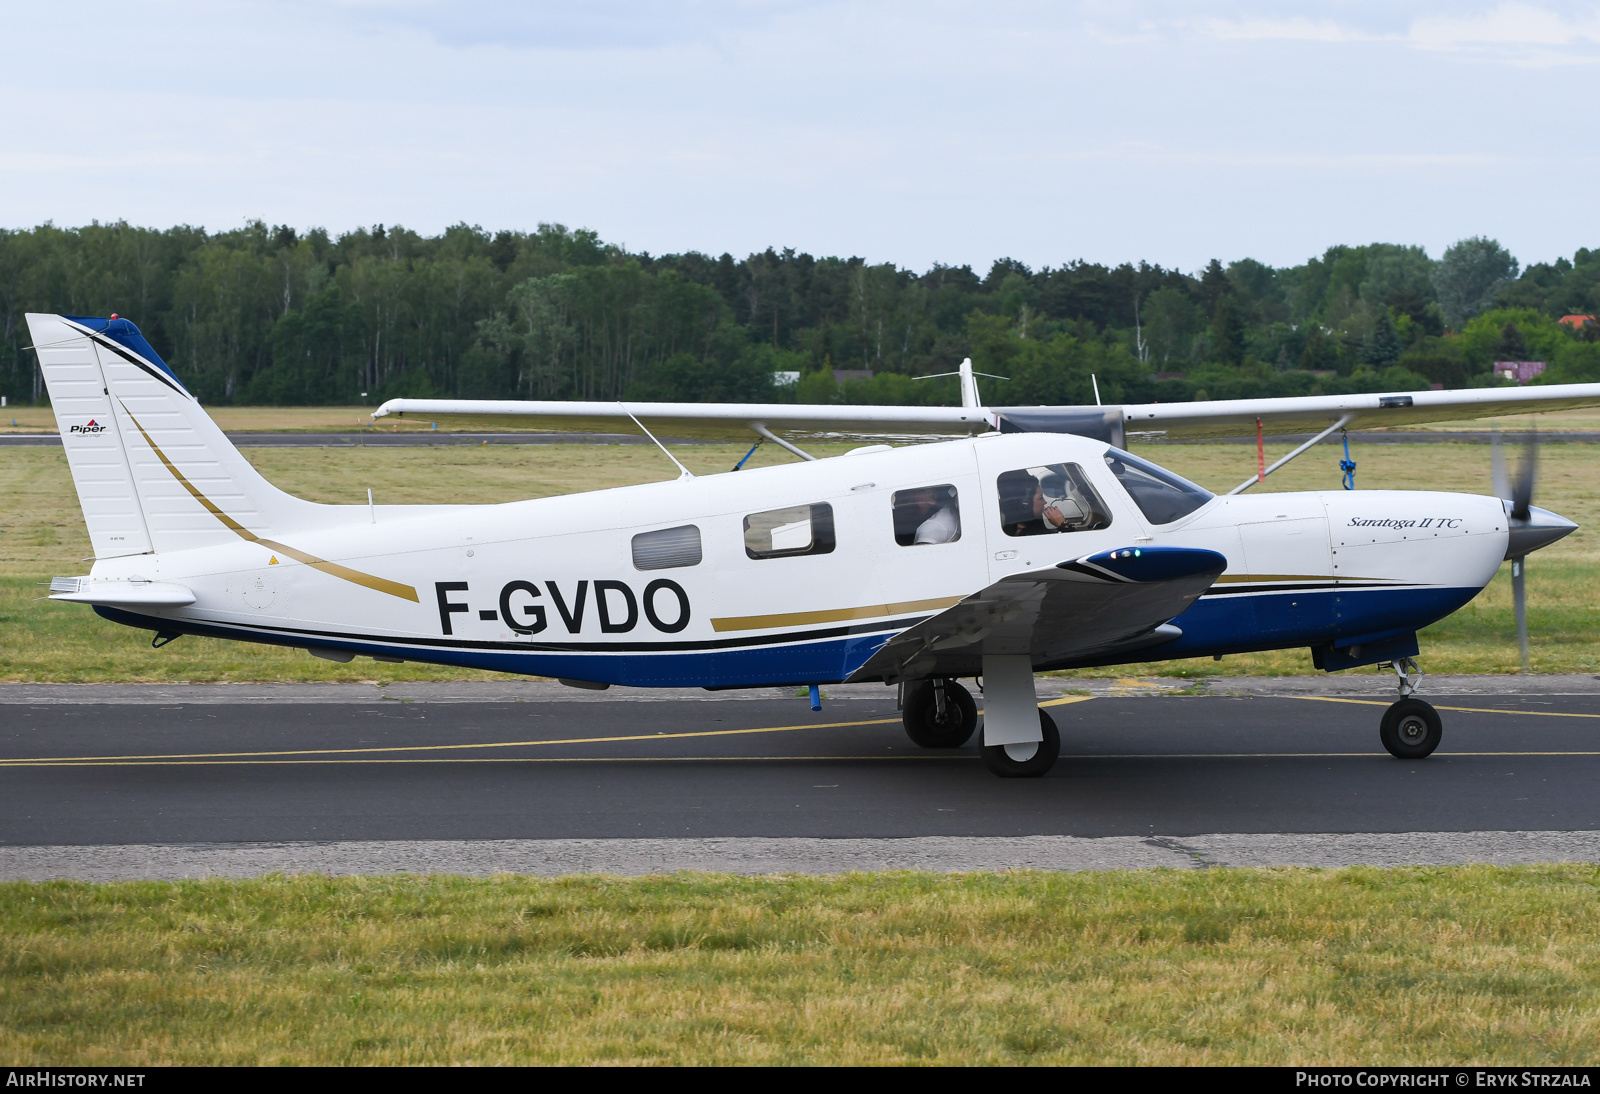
[1087, 607]
[1220, 418]
[700, 421]
[1314, 413]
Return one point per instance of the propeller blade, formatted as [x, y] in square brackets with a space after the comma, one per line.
[1497, 468]
[1522, 484]
[1519, 598]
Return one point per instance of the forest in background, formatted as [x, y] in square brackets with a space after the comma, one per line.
[270, 315]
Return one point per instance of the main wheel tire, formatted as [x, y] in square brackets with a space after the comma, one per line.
[1410, 729]
[1001, 759]
[924, 725]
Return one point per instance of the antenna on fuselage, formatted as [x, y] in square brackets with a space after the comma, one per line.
[686, 473]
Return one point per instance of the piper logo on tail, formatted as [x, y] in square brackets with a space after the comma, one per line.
[92, 427]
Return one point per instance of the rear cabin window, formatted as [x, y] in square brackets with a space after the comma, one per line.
[1160, 495]
[926, 515]
[796, 530]
[1057, 497]
[667, 548]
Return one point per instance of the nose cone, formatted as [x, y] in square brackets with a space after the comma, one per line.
[1541, 529]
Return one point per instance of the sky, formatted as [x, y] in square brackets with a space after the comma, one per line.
[913, 133]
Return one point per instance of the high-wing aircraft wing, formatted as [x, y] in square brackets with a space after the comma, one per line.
[1100, 604]
[700, 421]
[1313, 413]
[1220, 418]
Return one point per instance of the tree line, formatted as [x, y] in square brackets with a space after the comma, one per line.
[271, 315]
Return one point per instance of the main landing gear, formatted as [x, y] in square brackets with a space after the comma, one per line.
[939, 713]
[1411, 728]
[1027, 760]
[1019, 740]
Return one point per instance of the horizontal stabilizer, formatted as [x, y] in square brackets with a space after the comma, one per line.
[121, 594]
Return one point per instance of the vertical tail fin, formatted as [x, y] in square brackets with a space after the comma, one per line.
[969, 385]
[152, 470]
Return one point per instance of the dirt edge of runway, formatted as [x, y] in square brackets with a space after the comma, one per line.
[765, 856]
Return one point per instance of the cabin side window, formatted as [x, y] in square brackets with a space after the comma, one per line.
[667, 548]
[795, 530]
[926, 515]
[1057, 497]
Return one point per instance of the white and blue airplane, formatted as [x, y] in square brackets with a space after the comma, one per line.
[1036, 543]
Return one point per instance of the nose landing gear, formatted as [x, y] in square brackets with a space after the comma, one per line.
[1410, 729]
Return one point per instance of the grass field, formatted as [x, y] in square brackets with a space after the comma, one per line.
[1403, 966]
[42, 535]
[245, 419]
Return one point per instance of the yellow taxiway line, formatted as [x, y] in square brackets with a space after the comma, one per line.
[369, 755]
[448, 748]
[1463, 710]
[215, 757]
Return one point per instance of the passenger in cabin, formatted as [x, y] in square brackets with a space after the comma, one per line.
[926, 515]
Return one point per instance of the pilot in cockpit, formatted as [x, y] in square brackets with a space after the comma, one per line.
[1041, 500]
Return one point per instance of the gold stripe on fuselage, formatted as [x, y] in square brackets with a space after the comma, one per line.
[1231, 579]
[379, 584]
[831, 615]
[1241, 579]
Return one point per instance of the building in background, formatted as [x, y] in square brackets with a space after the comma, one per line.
[1520, 371]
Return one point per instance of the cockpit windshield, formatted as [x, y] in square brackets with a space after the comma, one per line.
[1160, 495]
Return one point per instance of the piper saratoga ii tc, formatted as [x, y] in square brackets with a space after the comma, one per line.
[1033, 542]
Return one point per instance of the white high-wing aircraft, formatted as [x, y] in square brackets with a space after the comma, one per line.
[992, 556]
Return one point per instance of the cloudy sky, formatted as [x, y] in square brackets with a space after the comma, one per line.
[907, 132]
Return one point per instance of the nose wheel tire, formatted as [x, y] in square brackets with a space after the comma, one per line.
[1025, 761]
[1410, 729]
[930, 727]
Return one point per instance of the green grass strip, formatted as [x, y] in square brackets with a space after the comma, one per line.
[1427, 965]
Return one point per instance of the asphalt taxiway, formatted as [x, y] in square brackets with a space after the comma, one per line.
[174, 781]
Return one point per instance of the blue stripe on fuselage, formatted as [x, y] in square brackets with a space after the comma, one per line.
[1239, 623]
[1253, 622]
[827, 661]
[1269, 621]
